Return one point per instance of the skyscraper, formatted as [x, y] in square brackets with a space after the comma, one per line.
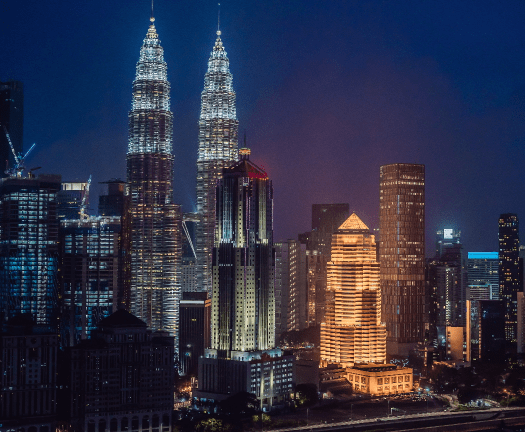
[509, 271]
[352, 331]
[89, 274]
[402, 255]
[155, 219]
[243, 356]
[12, 119]
[243, 304]
[29, 247]
[483, 276]
[218, 131]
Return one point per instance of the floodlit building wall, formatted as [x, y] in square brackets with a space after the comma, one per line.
[218, 135]
[155, 219]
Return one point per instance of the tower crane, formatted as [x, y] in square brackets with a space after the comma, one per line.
[83, 215]
[19, 167]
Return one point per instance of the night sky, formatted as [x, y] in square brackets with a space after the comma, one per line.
[327, 91]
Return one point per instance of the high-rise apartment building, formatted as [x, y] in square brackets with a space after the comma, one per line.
[352, 331]
[509, 271]
[12, 119]
[243, 356]
[402, 255]
[483, 276]
[29, 247]
[218, 133]
[155, 219]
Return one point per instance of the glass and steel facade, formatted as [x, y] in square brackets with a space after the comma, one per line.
[402, 255]
[352, 331]
[218, 134]
[89, 270]
[483, 276]
[155, 219]
[29, 248]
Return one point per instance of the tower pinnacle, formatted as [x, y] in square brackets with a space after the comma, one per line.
[152, 18]
[218, 20]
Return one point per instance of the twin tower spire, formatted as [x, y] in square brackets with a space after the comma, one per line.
[155, 237]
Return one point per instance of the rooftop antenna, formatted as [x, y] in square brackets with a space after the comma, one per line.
[152, 17]
[218, 20]
[244, 138]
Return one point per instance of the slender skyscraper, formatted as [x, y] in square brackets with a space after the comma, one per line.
[402, 255]
[509, 271]
[11, 121]
[155, 219]
[218, 130]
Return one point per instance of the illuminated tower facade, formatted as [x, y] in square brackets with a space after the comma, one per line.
[402, 255]
[352, 331]
[509, 271]
[243, 303]
[155, 219]
[218, 130]
[243, 357]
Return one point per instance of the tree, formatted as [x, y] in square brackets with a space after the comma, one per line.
[213, 425]
[242, 403]
[306, 394]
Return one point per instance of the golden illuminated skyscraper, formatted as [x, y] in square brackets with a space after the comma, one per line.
[352, 331]
[402, 255]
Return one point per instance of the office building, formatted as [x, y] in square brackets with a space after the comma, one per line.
[114, 200]
[520, 337]
[483, 276]
[120, 379]
[195, 316]
[402, 255]
[485, 331]
[70, 198]
[28, 376]
[291, 295]
[316, 277]
[11, 121]
[155, 220]
[29, 248]
[243, 356]
[509, 272]
[326, 219]
[189, 255]
[218, 134]
[90, 257]
[352, 332]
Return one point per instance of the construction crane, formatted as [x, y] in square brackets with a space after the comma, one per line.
[17, 170]
[83, 215]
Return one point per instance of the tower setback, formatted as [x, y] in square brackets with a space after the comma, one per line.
[155, 219]
[218, 132]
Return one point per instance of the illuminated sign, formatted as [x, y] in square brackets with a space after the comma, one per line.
[447, 233]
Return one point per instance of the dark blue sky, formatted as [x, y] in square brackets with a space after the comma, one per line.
[327, 91]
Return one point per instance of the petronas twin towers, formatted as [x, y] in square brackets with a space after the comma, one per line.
[155, 220]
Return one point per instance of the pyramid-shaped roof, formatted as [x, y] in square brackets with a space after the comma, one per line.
[353, 223]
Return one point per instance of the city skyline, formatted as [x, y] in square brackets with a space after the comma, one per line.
[345, 88]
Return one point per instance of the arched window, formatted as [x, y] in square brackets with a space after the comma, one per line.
[135, 423]
[113, 425]
[155, 421]
[165, 420]
[91, 426]
[124, 424]
[102, 425]
[145, 423]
